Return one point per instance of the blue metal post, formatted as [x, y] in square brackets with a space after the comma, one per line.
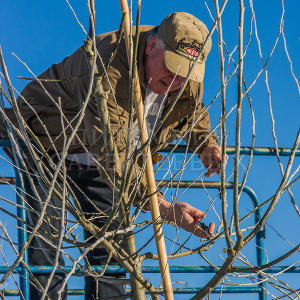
[260, 245]
[22, 238]
[22, 231]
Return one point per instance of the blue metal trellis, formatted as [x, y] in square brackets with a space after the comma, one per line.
[22, 237]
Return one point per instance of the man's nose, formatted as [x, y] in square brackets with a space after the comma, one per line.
[176, 78]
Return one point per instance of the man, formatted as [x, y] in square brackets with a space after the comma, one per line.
[165, 55]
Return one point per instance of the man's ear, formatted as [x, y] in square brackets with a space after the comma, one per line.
[151, 44]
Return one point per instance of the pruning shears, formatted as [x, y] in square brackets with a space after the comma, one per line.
[205, 228]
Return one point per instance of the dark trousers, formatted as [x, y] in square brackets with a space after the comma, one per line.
[90, 186]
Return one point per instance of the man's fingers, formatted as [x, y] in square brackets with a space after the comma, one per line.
[186, 217]
[198, 231]
[208, 174]
[214, 167]
[195, 213]
[211, 158]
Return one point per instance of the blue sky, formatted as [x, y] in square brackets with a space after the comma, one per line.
[41, 33]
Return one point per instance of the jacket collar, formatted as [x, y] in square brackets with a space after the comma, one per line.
[145, 31]
[141, 54]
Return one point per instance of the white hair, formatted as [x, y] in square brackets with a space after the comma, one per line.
[159, 42]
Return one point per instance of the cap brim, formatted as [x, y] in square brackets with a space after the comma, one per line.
[180, 65]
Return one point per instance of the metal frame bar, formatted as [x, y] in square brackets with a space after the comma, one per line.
[260, 255]
[145, 269]
[22, 236]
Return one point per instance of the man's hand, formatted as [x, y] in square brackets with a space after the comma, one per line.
[211, 157]
[184, 216]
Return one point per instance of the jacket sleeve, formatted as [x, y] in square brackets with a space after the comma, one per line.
[201, 134]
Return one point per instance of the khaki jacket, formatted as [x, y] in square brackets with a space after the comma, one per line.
[68, 85]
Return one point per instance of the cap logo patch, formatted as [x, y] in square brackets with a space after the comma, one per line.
[192, 52]
[192, 48]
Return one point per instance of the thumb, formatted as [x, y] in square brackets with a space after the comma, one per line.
[211, 228]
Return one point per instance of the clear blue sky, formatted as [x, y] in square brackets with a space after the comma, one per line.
[41, 33]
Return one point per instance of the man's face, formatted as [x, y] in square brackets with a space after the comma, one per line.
[158, 77]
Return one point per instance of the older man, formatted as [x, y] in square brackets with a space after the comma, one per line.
[165, 55]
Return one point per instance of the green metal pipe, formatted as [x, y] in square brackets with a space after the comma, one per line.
[205, 269]
[260, 236]
[229, 150]
[5, 143]
[229, 185]
[148, 269]
[243, 150]
[175, 291]
[22, 238]
[7, 180]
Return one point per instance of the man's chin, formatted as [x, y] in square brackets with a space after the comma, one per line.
[163, 89]
[160, 91]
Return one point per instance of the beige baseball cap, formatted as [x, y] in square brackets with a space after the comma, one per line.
[184, 35]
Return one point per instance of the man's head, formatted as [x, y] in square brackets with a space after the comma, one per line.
[172, 51]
